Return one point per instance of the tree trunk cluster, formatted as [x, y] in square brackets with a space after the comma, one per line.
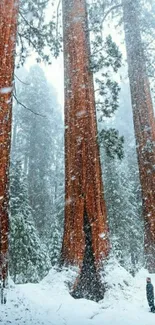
[85, 210]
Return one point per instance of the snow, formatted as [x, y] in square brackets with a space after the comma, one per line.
[49, 303]
[5, 90]
[102, 235]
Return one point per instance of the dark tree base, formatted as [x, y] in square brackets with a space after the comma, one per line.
[89, 284]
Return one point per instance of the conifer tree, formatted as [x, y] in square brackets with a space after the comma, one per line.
[144, 122]
[29, 260]
[125, 224]
[38, 144]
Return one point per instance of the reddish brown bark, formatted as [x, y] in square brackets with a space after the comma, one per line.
[144, 123]
[8, 26]
[85, 209]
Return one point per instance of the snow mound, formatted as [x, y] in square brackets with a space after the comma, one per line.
[60, 280]
[11, 284]
[118, 281]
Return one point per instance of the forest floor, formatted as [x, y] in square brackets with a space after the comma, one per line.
[49, 303]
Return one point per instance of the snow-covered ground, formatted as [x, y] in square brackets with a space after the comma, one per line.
[49, 303]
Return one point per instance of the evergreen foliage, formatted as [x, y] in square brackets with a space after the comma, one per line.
[122, 190]
[108, 10]
[29, 260]
[36, 33]
[112, 143]
[105, 61]
[126, 227]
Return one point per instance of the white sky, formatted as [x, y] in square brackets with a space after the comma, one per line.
[54, 72]
[55, 76]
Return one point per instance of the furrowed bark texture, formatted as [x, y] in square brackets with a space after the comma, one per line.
[144, 123]
[84, 203]
[8, 26]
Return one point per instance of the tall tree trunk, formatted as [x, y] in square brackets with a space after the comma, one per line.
[85, 241]
[144, 123]
[8, 26]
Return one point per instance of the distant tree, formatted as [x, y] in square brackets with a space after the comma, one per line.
[126, 227]
[56, 233]
[8, 28]
[38, 143]
[144, 122]
[54, 236]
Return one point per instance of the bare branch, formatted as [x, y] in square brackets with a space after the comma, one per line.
[110, 10]
[24, 83]
[58, 308]
[57, 18]
[18, 102]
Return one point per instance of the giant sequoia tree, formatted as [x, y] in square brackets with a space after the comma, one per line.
[144, 123]
[8, 26]
[85, 241]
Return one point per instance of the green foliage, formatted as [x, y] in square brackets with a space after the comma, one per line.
[29, 260]
[108, 96]
[105, 54]
[35, 33]
[101, 10]
[124, 213]
[55, 233]
[112, 143]
[105, 60]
